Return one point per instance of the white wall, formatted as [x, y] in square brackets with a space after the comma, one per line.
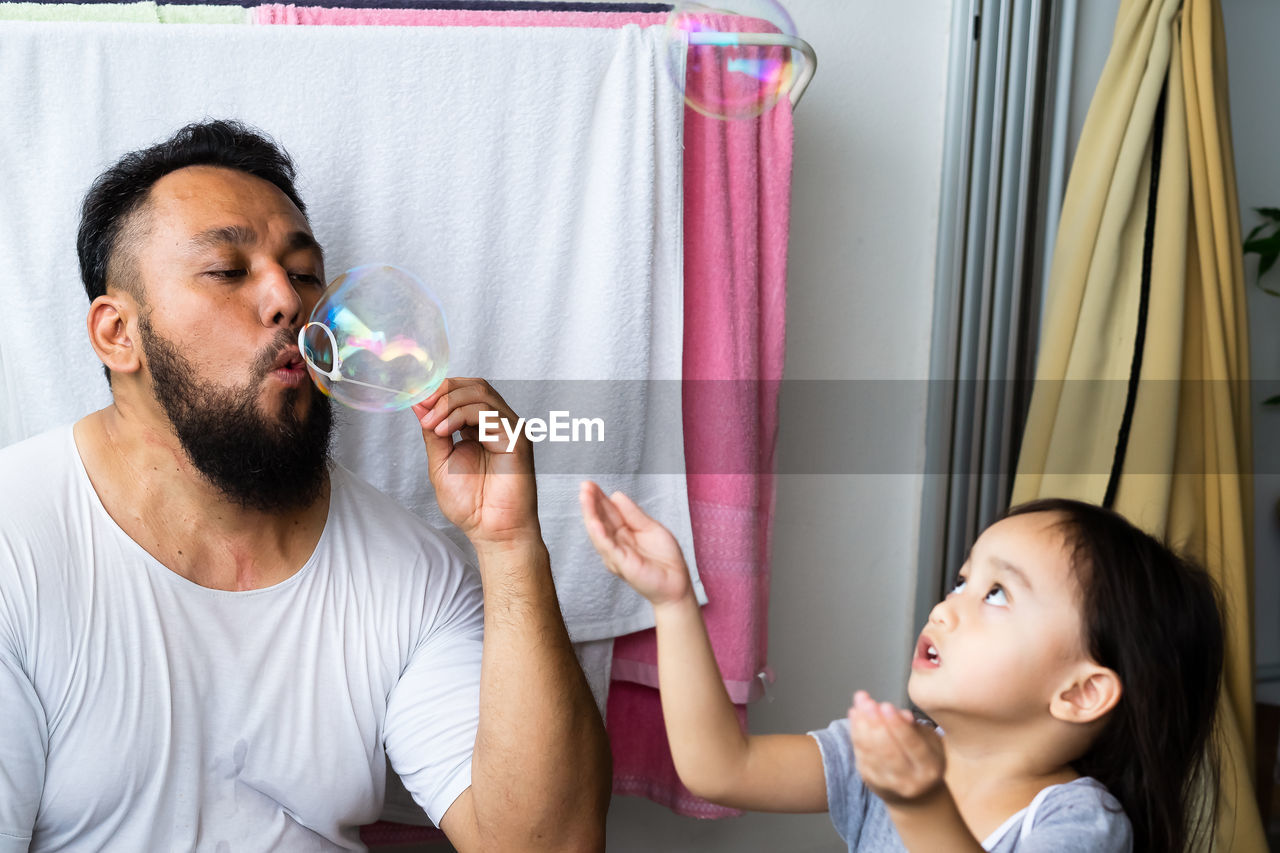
[863, 233]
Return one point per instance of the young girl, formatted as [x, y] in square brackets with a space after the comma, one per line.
[1074, 669]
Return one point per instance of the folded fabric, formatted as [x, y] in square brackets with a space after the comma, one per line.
[191, 14]
[458, 16]
[144, 12]
[490, 6]
[456, 5]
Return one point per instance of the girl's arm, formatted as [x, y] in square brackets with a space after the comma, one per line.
[714, 758]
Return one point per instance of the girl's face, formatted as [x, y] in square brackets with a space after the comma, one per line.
[1007, 636]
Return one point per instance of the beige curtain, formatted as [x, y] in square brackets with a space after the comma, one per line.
[1176, 458]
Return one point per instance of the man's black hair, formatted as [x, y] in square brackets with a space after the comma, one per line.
[122, 190]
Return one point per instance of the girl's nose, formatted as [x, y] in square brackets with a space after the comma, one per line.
[943, 614]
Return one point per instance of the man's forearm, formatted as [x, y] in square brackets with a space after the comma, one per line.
[541, 773]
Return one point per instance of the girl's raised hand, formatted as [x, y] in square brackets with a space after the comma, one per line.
[633, 546]
[901, 761]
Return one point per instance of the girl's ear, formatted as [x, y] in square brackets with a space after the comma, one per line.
[110, 333]
[1092, 692]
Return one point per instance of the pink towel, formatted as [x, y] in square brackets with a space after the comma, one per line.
[737, 192]
[278, 13]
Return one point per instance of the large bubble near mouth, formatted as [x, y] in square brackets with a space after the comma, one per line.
[377, 339]
[727, 76]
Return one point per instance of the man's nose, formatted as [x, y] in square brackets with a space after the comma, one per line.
[281, 304]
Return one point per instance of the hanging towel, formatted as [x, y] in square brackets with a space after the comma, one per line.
[143, 13]
[552, 262]
[278, 13]
[181, 13]
[137, 12]
[486, 6]
[737, 212]
[497, 6]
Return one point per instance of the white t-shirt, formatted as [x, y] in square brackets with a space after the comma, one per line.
[141, 711]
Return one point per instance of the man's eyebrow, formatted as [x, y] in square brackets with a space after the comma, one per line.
[303, 240]
[238, 235]
[234, 235]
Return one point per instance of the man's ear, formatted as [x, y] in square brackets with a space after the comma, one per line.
[1089, 695]
[112, 332]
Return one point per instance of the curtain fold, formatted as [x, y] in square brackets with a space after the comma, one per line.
[1142, 396]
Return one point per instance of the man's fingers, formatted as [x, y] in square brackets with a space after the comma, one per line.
[468, 415]
[438, 446]
[467, 386]
[458, 393]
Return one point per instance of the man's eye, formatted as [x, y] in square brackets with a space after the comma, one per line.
[306, 278]
[226, 274]
[997, 597]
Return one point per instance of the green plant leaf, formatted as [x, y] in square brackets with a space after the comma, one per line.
[1267, 263]
[1264, 241]
[1254, 232]
[1272, 401]
[1263, 245]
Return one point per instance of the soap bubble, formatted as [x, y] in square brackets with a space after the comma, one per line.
[726, 78]
[376, 340]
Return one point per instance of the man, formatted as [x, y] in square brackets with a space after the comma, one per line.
[210, 637]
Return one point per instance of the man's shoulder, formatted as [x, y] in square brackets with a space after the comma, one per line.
[41, 448]
[35, 469]
[36, 514]
[384, 520]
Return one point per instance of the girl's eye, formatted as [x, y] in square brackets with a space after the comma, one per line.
[959, 585]
[997, 597]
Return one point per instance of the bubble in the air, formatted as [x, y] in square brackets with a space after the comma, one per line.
[728, 76]
[377, 339]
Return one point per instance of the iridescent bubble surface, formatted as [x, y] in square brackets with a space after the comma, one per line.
[377, 339]
[726, 77]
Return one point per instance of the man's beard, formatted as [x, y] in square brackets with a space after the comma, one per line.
[259, 462]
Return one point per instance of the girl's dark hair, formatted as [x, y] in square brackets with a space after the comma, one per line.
[123, 188]
[1154, 618]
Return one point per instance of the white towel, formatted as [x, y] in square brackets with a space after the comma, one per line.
[531, 176]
